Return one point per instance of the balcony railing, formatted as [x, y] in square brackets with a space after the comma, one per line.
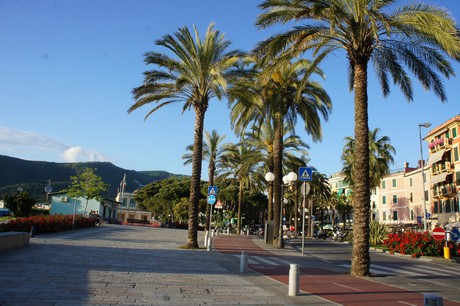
[444, 190]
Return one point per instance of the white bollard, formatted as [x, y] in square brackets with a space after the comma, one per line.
[209, 243]
[248, 231]
[244, 262]
[294, 279]
[228, 230]
[205, 238]
[432, 300]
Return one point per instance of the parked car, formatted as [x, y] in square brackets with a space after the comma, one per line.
[4, 212]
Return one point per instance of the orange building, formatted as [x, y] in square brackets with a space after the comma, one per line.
[444, 162]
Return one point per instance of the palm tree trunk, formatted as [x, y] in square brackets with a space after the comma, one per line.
[192, 241]
[240, 202]
[277, 183]
[361, 260]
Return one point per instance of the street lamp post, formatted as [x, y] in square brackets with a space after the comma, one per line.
[425, 125]
[287, 179]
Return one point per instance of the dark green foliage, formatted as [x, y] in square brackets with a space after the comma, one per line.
[19, 204]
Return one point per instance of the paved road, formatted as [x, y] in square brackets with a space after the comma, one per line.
[124, 265]
[332, 282]
[436, 275]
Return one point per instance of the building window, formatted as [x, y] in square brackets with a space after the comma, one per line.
[384, 216]
[395, 199]
[124, 202]
[457, 176]
[394, 183]
[447, 207]
[132, 203]
[410, 182]
[411, 197]
[395, 215]
[436, 207]
[383, 185]
[412, 215]
[456, 154]
[374, 206]
[384, 200]
[454, 132]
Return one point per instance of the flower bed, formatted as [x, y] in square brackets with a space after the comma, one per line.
[419, 244]
[47, 224]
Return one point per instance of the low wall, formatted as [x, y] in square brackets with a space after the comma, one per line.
[12, 240]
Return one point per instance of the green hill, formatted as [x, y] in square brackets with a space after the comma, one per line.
[33, 176]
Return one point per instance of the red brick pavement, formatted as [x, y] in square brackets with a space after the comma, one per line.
[337, 287]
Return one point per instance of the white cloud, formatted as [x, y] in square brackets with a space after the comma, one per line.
[30, 145]
[10, 138]
[78, 154]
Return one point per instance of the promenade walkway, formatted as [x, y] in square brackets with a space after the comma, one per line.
[125, 265]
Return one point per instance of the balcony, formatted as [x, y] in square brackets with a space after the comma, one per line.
[441, 143]
[444, 190]
[441, 167]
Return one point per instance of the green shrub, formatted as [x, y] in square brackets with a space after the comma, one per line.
[378, 233]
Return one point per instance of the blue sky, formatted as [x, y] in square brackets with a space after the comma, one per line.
[67, 69]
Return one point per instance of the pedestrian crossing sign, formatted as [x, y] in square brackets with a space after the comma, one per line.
[212, 190]
[305, 174]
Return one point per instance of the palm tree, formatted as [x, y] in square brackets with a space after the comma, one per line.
[212, 150]
[240, 161]
[261, 138]
[200, 72]
[321, 193]
[286, 93]
[420, 37]
[381, 156]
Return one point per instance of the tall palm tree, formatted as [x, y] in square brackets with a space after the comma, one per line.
[381, 156]
[212, 151]
[261, 137]
[320, 195]
[286, 93]
[199, 73]
[240, 161]
[418, 37]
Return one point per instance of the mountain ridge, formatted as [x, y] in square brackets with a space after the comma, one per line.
[33, 176]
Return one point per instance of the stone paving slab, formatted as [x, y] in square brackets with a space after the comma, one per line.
[124, 265]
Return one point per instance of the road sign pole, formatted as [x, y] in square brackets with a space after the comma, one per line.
[303, 218]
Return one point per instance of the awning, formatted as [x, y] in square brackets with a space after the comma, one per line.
[435, 157]
[438, 178]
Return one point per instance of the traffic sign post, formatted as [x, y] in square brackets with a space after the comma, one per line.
[454, 234]
[439, 233]
[213, 190]
[305, 174]
[212, 199]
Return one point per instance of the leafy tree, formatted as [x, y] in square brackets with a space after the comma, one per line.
[418, 37]
[20, 204]
[161, 197]
[200, 72]
[86, 185]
